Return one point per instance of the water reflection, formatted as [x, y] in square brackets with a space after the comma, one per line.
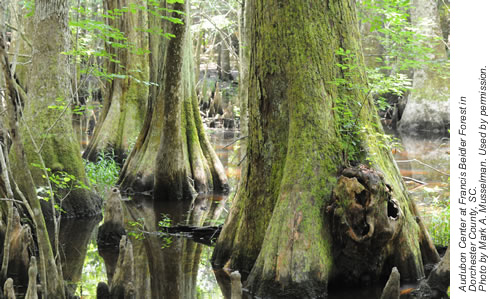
[424, 163]
[165, 265]
[74, 240]
[177, 267]
[75, 236]
[430, 149]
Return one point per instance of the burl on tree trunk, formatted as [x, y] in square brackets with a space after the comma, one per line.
[367, 226]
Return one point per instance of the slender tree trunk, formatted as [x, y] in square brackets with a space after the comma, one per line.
[244, 51]
[304, 216]
[219, 52]
[226, 70]
[198, 52]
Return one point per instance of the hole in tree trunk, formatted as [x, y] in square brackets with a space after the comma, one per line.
[392, 210]
[361, 197]
[364, 229]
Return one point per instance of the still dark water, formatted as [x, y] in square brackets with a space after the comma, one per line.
[423, 160]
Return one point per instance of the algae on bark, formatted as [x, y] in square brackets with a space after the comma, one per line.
[52, 284]
[125, 99]
[278, 234]
[46, 119]
[191, 157]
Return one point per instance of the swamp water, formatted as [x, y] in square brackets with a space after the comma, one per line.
[181, 266]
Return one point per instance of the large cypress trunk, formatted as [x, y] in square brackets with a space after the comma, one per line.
[172, 145]
[126, 95]
[47, 115]
[171, 173]
[52, 284]
[321, 198]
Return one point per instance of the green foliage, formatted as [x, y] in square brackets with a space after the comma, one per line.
[347, 107]
[381, 84]
[80, 109]
[436, 212]
[439, 227]
[404, 48]
[93, 36]
[28, 7]
[60, 183]
[136, 229]
[164, 223]
[102, 174]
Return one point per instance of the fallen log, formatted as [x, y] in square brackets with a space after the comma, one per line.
[206, 235]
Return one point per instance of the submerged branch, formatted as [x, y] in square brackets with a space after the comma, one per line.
[414, 180]
[205, 235]
[234, 141]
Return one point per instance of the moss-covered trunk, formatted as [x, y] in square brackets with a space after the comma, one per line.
[52, 283]
[309, 121]
[172, 145]
[47, 126]
[170, 178]
[126, 95]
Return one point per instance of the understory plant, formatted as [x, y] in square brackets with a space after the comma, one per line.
[439, 227]
[437, 214]
[103, 173]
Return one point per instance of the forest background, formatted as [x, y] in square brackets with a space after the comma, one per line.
[93, 76]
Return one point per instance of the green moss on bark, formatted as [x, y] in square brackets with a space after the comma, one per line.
[184, 140]
[277, 231]
[124, 106]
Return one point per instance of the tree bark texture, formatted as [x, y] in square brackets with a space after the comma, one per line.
[52, 287]
[293, 229]
[47, 116]
[170, 180]
[173, 153]
[125, 99]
